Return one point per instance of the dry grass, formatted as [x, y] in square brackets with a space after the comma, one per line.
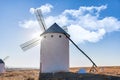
[20, 75]
[33, 74]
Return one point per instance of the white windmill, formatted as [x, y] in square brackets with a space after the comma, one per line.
[2, 64]
[54, 52]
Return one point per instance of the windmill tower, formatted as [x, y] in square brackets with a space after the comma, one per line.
[54, 52]
[2, 64]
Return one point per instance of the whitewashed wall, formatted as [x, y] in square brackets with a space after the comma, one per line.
[54, 53]
[2, 68]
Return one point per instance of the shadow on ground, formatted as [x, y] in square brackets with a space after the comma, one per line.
[76, 76]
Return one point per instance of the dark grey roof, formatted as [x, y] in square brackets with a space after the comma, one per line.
[1, 61]
[55, 29]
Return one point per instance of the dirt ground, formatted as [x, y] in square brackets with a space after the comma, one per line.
[108, 70]
[32, 74]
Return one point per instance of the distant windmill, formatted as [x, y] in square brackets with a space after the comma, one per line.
[2, 64]
[54, 52]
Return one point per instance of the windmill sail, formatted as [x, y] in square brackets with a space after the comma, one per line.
[40, 19]
[65, 28]
[29, 44]
[35, 41]
[6, 58]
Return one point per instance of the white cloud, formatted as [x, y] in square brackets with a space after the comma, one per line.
[109, 24]
[32, 10]
[28, 24]
[83, 10]
[80, 34]
[61, 20]
[83, 24]
[44, 8]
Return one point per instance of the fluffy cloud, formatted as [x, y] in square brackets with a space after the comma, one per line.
[80, 34]
[85, 10]
[83, 22]
[28, 24]
[44, 8]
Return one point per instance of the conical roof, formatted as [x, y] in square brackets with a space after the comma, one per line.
[55, 29]
[1, 61]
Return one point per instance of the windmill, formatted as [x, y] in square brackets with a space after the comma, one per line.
[54, 51]
[2, 64]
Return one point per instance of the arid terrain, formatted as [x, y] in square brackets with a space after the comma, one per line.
[32, 74]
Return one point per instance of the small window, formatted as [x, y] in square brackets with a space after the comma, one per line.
[44, 36]
[51, 35]
[60, 36]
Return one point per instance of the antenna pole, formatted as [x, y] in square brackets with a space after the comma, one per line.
[82, 51]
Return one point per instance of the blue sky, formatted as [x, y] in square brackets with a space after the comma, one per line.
[93, 24]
